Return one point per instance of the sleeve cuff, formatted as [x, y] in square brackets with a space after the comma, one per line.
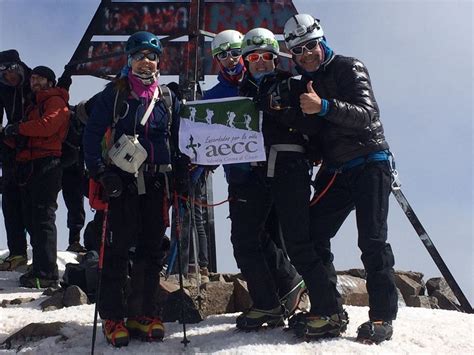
[324, 108]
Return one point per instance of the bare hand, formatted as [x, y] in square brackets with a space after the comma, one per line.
[310, 102]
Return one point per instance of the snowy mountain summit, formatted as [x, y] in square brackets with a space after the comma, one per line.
[416, 331]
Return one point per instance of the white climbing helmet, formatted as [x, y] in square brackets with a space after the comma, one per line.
[226, 40]
[301, 28]
[260, 38]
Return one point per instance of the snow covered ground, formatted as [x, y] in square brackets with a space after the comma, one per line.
[417, 331]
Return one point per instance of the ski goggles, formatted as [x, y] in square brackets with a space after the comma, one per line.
[255, 57]
[309, 46]
[234, 53]
[8, 66]
[140, 56]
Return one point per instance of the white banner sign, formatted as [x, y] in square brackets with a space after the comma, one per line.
[221, 131]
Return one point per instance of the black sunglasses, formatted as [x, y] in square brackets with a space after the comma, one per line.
[298, 50]
[234, 53]
[140, 56]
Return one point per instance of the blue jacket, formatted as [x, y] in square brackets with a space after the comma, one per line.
[154, 136]
[221, 90]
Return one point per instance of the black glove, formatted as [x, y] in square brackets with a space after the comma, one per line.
[11, 130]
[65, 81]
[111, 182]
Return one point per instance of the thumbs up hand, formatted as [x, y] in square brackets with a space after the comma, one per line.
[310, 102]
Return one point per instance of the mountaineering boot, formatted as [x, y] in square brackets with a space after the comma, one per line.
[146, 328]
[291, 300]
[33, 279]
[76, 247]
[115, 332]
[12, 262]
[204, 271]
[254, 318]
[374, 332]
[311, 327]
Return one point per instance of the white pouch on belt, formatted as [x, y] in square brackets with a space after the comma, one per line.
[128, 154]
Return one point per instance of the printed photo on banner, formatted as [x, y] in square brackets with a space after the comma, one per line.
[221, 131]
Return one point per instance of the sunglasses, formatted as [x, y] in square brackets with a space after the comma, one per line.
[8, 66]
[298, 50]
[234, 53]
[255, 57]
[140, 56]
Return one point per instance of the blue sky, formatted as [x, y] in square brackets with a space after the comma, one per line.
[419, 55]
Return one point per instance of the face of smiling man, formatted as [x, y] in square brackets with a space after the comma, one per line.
[310, 60]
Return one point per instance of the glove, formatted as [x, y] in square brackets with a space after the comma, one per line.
[65, 81]
[11, 130]
[111, 182]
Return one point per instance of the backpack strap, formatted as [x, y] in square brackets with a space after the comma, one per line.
[165, 94]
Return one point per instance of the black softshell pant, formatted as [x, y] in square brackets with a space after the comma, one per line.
[73, 194]
[40, 181]
[366, 188]
[267, 270]
[134, 220]
[15, 226]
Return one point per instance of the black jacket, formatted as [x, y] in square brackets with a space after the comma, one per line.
[15, 100]
[352, 126]
[274, 131]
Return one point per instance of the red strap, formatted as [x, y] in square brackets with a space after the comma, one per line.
[318, 197]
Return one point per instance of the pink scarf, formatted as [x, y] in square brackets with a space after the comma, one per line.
[139, 88]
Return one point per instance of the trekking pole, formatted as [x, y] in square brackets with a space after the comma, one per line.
[185, 341]
[426, 240]
[99, 275]
[171, 259]
[195, 246]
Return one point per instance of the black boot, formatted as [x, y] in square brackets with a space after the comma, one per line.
[254, 318]
[374, 332]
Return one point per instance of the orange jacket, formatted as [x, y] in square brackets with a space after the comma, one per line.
[46, 126]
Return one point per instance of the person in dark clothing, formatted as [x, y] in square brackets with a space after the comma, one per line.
[282, 183]
[73, 194]
[340, 111]
[38, 141]
[227, 51]
[137, 187]
[14, 99]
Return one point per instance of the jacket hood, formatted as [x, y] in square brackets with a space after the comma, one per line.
[43, 95]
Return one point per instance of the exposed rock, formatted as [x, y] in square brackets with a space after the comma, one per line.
[54, 301]
[4, 303]
[446, 302]
[353, 272]
[35, 330]
[418, 301]
[51, 291]
[439, 288]
[241, 296]
[74, 296]
[414, 275]
[217, 298]
[401, 300]
[17, 301]
[216, 277]
[181, 303]
[232, 277]
[407, 286]
[352, 290]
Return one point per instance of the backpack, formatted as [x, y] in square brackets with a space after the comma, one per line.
[84, 274]
[72, 143]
